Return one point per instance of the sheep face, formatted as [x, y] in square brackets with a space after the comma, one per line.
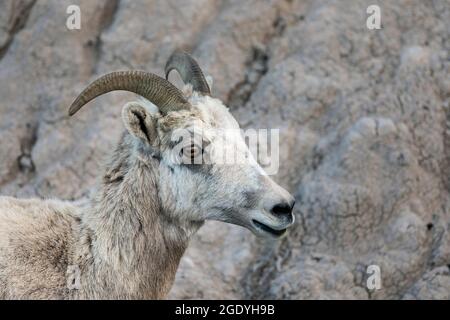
[196, 182]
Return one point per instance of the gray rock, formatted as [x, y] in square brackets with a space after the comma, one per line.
[363, 116]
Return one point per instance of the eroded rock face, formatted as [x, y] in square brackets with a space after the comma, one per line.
[364, 118]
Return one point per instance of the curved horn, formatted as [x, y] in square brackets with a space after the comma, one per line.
[159, 91]
[189, 71]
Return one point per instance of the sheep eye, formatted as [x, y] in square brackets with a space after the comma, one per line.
[190, 153]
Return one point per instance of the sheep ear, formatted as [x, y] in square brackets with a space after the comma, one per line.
[139, 122]
[209, 81]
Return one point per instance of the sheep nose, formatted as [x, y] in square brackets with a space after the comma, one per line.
[283, 209]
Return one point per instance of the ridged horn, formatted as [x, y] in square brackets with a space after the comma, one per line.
[189, 71]
[159, 91]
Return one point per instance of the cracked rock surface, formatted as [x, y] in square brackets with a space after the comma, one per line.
[364, 119]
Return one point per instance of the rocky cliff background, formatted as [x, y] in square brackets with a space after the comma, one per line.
[364, 118]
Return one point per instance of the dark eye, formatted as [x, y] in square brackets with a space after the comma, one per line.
[190, 153]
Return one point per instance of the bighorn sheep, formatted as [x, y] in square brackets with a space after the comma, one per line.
[128, 242]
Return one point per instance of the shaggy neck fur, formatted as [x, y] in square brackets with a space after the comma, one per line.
[131, 248]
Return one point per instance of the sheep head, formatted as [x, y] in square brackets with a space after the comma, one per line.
[186, 136]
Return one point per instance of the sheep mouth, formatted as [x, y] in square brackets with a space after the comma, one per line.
[266, 228]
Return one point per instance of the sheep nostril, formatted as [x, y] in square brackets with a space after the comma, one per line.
[282, 209]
